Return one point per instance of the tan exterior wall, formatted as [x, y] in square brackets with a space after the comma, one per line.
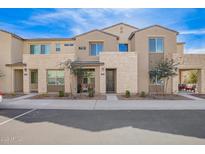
[132, 67]
[64, 49]
[126, 71]
[43, 63]
[123, 31]
[16, 50]
[5, 55]
[109, 44]
[142, 48]
[154, 59]
[195, 61]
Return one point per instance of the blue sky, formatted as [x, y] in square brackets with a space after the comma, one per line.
[43, 23]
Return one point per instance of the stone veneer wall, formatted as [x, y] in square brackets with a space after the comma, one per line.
[126, 71]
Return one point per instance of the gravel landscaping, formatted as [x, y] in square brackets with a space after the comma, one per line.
[69, 97]
[153, 97]
[12, 95]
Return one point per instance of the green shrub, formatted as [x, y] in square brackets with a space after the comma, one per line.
[61, 93]
[91, 92]
[13, 94]
[142, 94]
[127, 93]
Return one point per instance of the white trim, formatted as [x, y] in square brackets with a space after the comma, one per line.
[4, 122]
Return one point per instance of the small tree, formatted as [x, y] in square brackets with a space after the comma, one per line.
[76, 70]
[193, 77]
[165, 70]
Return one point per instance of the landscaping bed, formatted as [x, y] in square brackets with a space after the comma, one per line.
[11, 95]
[69, 97]
[199, 95]
[153, 97]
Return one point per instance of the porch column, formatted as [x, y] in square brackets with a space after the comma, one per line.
[97, 79]
[175, 82]
[42, 81]
[202, 81]
[102, 80]
[26, 81]
[67, 78]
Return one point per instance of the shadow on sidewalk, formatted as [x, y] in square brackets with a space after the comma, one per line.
[180, 122]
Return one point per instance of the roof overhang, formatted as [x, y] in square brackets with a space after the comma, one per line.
[87, 63]
[16, 64]
[133, 33]
[97, 30]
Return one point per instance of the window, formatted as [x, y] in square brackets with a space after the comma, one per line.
[123, 47]
[45, 49]
[58, 47]
[35, 49]
[40, 49]
[96, 48]
[68, 44]
[156, 45]
[55, 77]
[34, 77]
[82, 48]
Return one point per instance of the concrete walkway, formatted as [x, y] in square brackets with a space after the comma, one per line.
[111, 97]
[20, 98]
[190, 96]
[105, 104]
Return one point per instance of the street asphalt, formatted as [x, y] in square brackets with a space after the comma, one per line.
[51, 126]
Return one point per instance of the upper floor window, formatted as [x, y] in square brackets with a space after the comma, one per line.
[123, 47]
[96, 48]
[156, 45]
[40, 49]
[68, 44]
[58, 47]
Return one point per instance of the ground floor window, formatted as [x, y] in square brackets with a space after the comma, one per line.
[55, 80]
[55, 77]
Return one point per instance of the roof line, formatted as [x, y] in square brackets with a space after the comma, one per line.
[119, 24]
[181, 43]
[14, 35]
[133, 33]
[49, 39]
[98, 31]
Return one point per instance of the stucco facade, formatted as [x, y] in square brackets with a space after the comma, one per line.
[129, 70]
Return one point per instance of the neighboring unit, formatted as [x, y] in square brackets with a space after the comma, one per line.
[119, 58]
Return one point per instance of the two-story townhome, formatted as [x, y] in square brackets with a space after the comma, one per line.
[119, 58]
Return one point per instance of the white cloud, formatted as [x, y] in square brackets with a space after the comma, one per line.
[195, 51]
[82, 20]
[194, 32]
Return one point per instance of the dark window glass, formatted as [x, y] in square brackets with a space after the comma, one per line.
[123, 47]
[96, 48]
[156, 45]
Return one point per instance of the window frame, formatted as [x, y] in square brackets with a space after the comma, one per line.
[56, 78]
[156, 44]
[91, 43]
[123, 44]
[58, 47]
[40, 46]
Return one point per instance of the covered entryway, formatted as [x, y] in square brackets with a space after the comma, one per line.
[110, 80]
[189, 80]
[18, 80]
[85, 79]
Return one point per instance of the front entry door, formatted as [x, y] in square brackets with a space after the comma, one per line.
[110, 80]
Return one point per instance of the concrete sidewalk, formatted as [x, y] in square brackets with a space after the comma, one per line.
[105, 104]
